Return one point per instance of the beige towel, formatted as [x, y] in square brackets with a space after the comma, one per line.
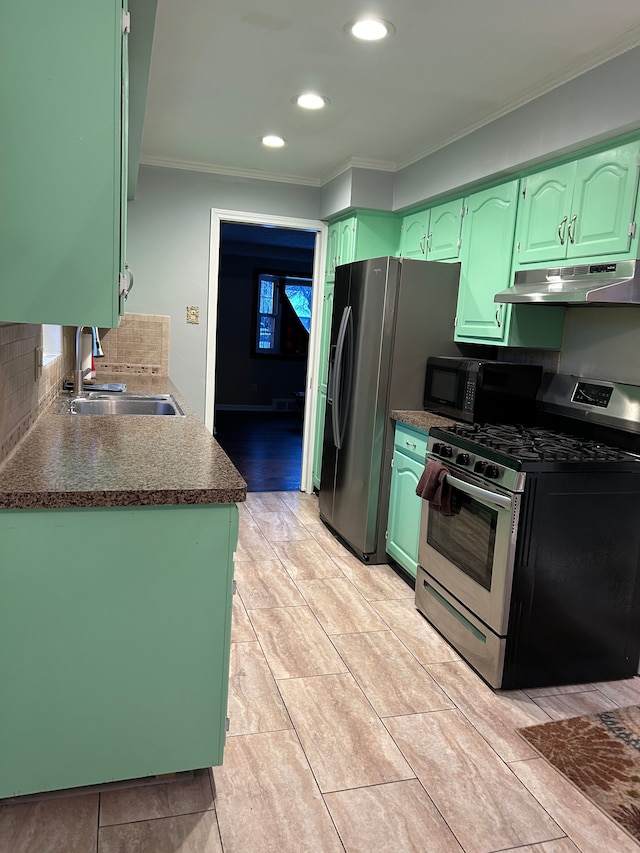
[433, 487]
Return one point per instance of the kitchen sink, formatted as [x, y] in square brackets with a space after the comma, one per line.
[122, 404]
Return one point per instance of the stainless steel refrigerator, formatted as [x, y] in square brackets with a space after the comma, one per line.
[389, 315]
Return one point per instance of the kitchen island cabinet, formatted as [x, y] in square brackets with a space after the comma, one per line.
[118, 535]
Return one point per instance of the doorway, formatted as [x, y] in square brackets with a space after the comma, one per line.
[263, 334]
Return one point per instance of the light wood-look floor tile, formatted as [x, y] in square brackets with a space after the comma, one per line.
[64, 825]
[191, 833]
[415, 632]
[397, 817]
[266, 583]
[148, 802]
[339, 607]
[305, 560]
[264, 502]
[557, 690]
[374, 582]
[561, 845]
[496, 714]
[329, 543]
[267, 799]
[344, 740]
[245, 519]
[624, 692]
[255, 704]
[483, 803]
[565, 705]
[389, 675]
[280, 526]
[241, 629]
[294, 643]
[304, 507]
[252, 545]
[589, 828]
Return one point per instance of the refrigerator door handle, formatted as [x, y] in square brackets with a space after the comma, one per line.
[336, 392]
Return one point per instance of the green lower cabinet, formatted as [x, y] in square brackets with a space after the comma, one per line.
[405, 507]
[115, 631]
[321, 408]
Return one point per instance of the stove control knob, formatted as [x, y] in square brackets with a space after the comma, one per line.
[492, 471]
[446, 451]
[437, 448]
[480, 467]
[462, 458]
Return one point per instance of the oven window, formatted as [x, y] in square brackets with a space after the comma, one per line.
[466, 538]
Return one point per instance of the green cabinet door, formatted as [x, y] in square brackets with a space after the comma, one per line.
[318, 439]
[443, 238]
[487, 238]
[405, 507]
[346, 241]
[331, 260]
[413, 235]
[325, 335]
[115, 660]
[62, 162]
[604, 199]
[543, 215]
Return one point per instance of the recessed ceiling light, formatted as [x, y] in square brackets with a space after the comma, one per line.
[311, 101]
[370, 29]
[273, 141]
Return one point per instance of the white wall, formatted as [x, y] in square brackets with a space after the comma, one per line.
[168, 250]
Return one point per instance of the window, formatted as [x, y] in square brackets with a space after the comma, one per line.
[283, 316]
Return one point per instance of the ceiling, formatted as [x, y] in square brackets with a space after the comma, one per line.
[224, 73]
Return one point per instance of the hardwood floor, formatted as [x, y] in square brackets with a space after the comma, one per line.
[266, 447]
[353, 727]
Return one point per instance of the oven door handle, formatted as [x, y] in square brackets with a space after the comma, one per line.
[477, 492]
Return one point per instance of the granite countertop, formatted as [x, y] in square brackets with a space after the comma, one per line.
[422, 420]
[106, 460]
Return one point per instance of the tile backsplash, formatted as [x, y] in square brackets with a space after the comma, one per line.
[22, 395]
[139, 345]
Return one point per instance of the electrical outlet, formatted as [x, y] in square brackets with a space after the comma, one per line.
[193, 314]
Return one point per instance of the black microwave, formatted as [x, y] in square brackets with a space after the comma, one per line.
[479, 391]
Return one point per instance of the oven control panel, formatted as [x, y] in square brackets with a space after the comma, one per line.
[468, 460]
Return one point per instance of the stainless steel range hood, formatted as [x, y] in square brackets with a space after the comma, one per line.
[610, 283]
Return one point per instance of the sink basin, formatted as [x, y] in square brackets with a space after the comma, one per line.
[122, 404]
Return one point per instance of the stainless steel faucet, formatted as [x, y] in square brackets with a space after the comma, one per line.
[97, 353]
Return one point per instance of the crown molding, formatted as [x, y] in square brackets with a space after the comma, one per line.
[211, 168]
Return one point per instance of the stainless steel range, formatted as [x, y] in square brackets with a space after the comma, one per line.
[534, 576]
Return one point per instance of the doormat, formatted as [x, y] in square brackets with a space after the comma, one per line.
[600, 755]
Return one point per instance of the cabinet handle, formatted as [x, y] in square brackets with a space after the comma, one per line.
[429, 236]
[498, 312]
[572, 238]
[423, 243]
[563, 222]
[409, 444]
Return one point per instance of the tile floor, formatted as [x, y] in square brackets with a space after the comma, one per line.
[354, 727]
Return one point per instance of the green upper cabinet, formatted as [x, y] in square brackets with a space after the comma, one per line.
[413, 235]
[583, 209]
[443, 239]
[485, 257]
[364, 234]
[434, 234]
[487, 237]
[62, 170]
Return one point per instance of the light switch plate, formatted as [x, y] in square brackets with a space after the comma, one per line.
[193, 314]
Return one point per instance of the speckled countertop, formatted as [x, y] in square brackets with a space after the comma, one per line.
[106, 460]
[422, 420]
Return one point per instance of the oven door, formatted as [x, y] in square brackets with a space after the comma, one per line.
[471, 552]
